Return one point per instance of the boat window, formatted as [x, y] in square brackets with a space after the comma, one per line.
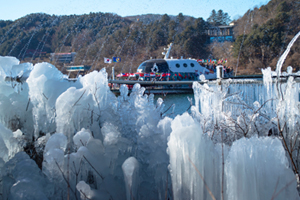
[177, 65]
[192, 65]
[184, 64]
[162, 66]
[141, 68]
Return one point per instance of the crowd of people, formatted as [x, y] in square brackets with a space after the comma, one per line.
[213, 66]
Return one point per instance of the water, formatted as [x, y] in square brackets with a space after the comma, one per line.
[176, 104]
[250, 91]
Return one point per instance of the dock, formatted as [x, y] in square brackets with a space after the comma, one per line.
[185, 87]
[172, 87]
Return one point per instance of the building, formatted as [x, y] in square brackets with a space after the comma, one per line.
[62, 57]
[77, 68]
[220, 33]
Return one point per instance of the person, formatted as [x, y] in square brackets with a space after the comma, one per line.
[227, 69]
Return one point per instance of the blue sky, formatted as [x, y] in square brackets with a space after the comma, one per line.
[14, 9]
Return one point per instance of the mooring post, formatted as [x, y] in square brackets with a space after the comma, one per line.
[220, 73]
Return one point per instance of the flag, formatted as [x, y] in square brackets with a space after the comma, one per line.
[107, 60]
[116, 59]
[165, 74]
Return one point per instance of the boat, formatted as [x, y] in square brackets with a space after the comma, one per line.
[174, 69]
[170, 69]
[179, 73]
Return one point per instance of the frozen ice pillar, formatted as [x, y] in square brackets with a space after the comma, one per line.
[284, 55]
[257, 168]
[194, 161]
[131, 173]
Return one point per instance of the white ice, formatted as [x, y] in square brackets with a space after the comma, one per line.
[131, 177]
[96, 145]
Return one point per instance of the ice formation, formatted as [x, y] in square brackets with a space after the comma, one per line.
[131, 177]
[251, 173]
[22, 179]
[83, 142]
[194, 161]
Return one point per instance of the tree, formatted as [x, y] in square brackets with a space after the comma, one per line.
[180, 18]
[212, 18]
[172, 31]
[200, 25]
[218, 18]
[165, 19]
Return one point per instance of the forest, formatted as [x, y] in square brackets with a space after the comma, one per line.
[260, 37]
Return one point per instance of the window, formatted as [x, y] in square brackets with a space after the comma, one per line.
[162, 66]
[141, 68]
[177, 65]
[184, 64]
[192, 65]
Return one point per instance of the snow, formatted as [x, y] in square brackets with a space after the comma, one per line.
[94, 145]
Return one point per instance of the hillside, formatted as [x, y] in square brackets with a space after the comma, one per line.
[262, 34]
[98, 35]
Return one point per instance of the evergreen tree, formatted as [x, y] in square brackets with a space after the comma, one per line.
[172, 31]
[180, 18]
[212, 18]
[218, 18]
[165, 19]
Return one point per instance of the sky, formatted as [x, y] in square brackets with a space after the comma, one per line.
[14, 9]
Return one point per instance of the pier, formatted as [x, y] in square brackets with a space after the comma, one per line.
[185, 87]
[175, 87]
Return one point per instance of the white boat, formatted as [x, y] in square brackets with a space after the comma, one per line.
[174, 69]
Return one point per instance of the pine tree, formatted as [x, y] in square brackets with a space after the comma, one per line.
[218, 18]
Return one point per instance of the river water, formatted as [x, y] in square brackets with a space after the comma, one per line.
[180, 101]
